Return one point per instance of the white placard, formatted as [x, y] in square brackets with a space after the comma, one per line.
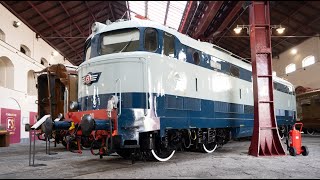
[38, 123]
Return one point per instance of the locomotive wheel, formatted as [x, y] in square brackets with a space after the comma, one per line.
[209, 148]
[292, 151]
[310, 131]
[162, 155]
[305, 150]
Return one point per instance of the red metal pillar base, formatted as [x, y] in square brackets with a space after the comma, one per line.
[265, 139]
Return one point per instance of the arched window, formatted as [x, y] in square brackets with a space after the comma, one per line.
[309, 60]
[6, 72]
[44, 62]
[2, 36]
[32, 90]
[290, 68]
[25, 50]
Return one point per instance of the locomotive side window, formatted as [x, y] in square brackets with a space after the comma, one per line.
[168, 44]
[196, 58]
[234, 71]
[150, 39]
[122, 40]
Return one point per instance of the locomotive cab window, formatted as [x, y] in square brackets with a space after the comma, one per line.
[117, 41]
[196, 58]
[168, 44]
[150, 40]
[234, 71]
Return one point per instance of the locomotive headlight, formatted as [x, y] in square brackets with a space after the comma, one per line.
[74, 105]
[94, 27]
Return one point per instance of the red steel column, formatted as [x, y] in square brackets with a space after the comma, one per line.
[265, 139]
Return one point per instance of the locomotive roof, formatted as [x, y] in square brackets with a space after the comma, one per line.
[205, 47]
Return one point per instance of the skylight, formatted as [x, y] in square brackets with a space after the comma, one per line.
[156, 11]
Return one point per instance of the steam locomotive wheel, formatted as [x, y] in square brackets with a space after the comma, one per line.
[162, 155]
[209, 147]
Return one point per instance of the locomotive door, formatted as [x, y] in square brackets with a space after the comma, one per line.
[130, 84]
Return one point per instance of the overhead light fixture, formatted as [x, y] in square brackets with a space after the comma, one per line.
[237, 30]
[16, 23]
[294, 51]
[280, 29]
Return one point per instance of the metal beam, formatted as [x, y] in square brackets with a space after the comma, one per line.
[111, 10]
[294, 19]
[89, 10]
[289, 15]
[186, 15]
[65, 10]
[31, 27]
[271, 37]
[227, 20]
[27, 9]
[128, 12]
[37, 10]
[313, 21]
[167, 10]
[63, 20]
[80, 22]
[210, 12]
[63, 37]
[265, 139]
[146, 9]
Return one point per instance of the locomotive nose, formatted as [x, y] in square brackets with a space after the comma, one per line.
[87, 124]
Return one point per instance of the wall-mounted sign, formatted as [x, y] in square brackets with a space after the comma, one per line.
[12, 119]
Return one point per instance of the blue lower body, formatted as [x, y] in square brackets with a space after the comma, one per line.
[176, 112]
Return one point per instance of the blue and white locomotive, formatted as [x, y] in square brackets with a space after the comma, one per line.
[170, 92]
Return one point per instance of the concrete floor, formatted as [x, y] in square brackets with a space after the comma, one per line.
[230, 161]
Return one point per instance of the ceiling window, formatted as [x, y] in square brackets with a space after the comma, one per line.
[308, 61]
[290, 68]
[156, 11]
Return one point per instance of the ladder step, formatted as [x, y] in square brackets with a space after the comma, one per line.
[261, 25]
[268, 128]
[264, 75]
[265, 101]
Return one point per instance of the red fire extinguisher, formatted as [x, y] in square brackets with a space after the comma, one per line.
[296, 142]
